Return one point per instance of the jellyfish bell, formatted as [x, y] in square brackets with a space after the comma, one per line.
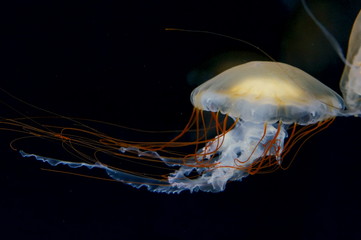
[268, 92]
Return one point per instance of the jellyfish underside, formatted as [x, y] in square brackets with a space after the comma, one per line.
[252, 106]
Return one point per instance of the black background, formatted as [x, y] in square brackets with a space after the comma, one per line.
[113, 61]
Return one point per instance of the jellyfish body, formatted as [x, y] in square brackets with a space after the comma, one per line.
[264, 99]
[272, 107]
[350, 83]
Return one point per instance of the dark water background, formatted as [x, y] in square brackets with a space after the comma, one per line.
[113, 61]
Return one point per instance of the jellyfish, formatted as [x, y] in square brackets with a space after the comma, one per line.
[350, 83]
[245, 121]
[253, 106]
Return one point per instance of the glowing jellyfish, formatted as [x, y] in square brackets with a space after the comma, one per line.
[351, 78]
[264, 99]
[259, 111]
[350, 83]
